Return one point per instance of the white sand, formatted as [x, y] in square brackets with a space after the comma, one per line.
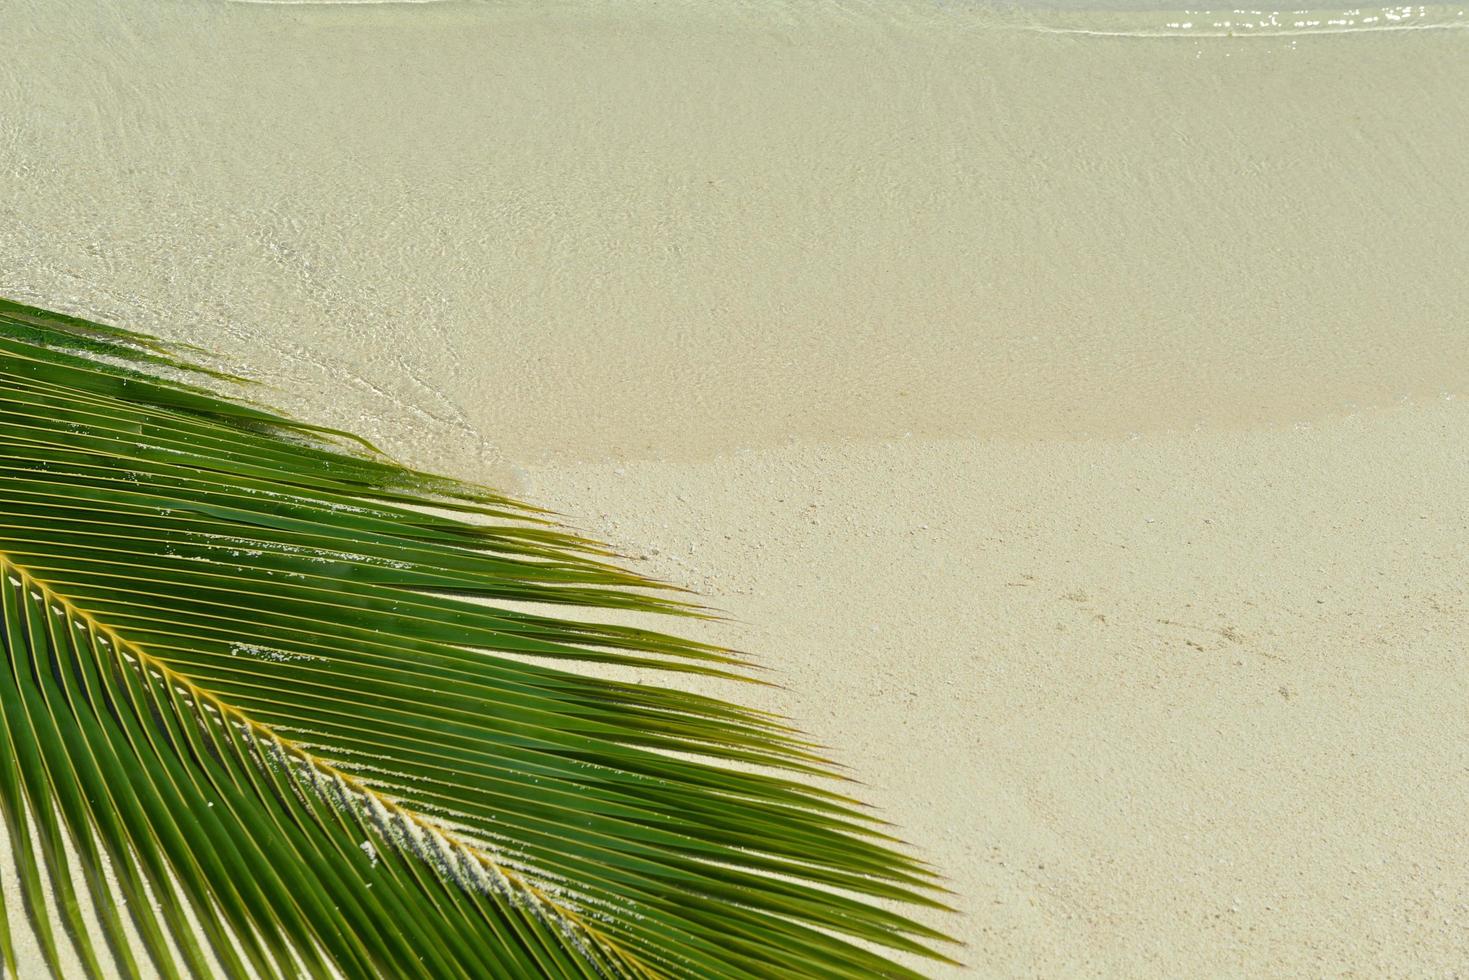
[1184, 706]
[1069, 419]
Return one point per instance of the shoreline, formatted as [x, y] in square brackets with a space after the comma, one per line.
[1070, 421]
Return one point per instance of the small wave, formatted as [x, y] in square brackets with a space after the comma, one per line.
[1262, 23]
[333, 3]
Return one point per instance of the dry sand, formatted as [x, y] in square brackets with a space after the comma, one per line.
[1075, 421]
[1182, 706]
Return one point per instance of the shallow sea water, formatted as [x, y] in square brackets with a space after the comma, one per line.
[493, 234]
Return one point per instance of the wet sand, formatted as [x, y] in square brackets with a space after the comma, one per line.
[1068, 406]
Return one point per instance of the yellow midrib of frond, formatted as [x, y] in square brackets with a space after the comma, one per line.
[201, 695]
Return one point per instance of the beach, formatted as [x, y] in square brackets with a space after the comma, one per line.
[1066, 407]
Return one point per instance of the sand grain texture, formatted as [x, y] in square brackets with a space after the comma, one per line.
[1191, 706]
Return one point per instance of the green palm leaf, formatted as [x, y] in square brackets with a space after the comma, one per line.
[289, 691]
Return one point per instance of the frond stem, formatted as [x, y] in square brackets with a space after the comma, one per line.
[147, 661]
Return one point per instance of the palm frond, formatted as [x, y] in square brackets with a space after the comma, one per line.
[287, 687]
